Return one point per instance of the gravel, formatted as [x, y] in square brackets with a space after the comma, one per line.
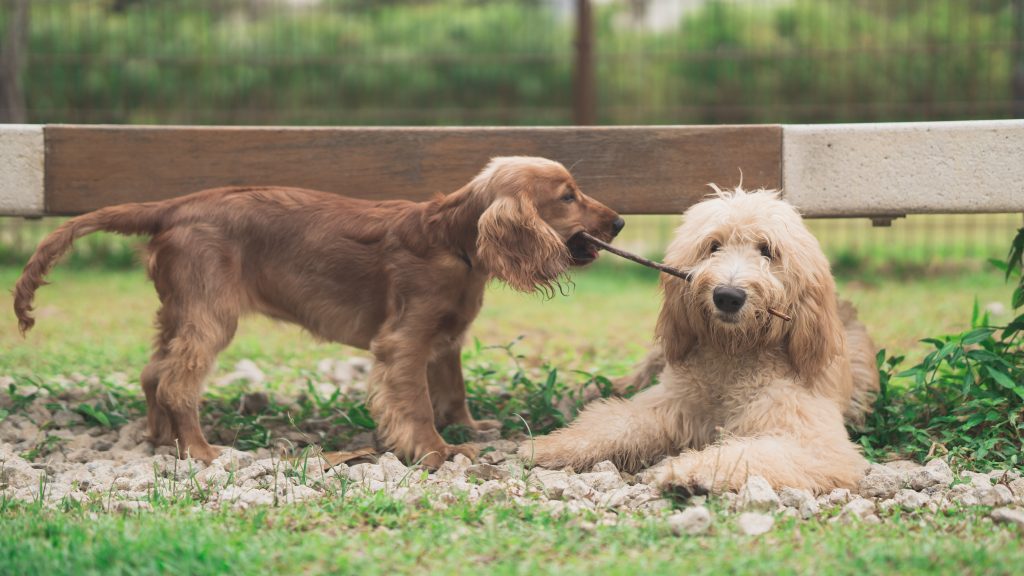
[755, 523]
[691, 521]
[119, 470]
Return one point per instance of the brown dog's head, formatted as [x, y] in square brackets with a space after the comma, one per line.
[748, 251]
[529, 234]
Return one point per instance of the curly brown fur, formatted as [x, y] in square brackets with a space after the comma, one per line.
[401, 279]
[740, 392]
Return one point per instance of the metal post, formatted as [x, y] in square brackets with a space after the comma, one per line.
[584, 90]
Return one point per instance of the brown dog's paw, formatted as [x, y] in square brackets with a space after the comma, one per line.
[470, 451]
[433, 459]
[205, 454]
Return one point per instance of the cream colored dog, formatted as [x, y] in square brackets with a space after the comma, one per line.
[741, 392]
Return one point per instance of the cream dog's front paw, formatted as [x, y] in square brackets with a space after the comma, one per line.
[684, 477]
[546, 451]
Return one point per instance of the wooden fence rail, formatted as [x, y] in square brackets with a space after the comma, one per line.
[871, 170]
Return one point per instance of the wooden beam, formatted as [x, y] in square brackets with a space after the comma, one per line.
[635, 170]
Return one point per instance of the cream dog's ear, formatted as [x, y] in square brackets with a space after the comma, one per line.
[816, 334]
[674, 331]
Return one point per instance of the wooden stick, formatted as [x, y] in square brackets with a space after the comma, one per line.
[778, 314]
[638, 259]
[659, 266]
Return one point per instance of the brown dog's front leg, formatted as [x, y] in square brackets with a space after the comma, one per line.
[400, 404]
[448, 393]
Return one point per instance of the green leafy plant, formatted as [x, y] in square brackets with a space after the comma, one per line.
[965, 399]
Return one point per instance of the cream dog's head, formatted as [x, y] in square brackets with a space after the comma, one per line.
[748, 251]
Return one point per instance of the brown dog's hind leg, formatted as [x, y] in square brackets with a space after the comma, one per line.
[448, 393]
[157, 419]
[197, 286]
[190, 358]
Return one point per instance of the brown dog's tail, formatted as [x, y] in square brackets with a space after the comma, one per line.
[123, 219]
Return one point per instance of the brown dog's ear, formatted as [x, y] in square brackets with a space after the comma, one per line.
[516, 245]
[816, 335]
[673, 330]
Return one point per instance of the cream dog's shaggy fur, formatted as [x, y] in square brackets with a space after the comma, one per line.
[741, 392]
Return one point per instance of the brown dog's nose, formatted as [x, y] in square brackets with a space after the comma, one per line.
[728, 299]
[617, 226]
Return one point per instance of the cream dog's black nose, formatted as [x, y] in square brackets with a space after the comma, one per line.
[728, 298]
[617, 226]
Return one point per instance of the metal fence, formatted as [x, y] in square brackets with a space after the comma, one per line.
[530, 62]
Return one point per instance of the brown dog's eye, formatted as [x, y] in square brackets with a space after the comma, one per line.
[766, 251]
[568, 197]
[715, 246]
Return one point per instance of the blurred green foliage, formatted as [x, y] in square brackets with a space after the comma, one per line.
[510, 62]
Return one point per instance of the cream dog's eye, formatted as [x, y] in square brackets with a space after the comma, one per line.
[715, 246]
[766, 251]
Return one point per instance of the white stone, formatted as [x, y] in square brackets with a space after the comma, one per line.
[694, 520]
[1003, 476]
[964, 494]
[998, 495]
[935, 473]
[552, 482]
[301, 493]
[836, 497]
[258, 469]
[603, 481]
[640, 494]
[366, 471]
[1008, 516]
[977, 479]
[393, 468]
[858, 508]
[234, 460]
[616, 498]
[16, 473]
[655, 506]
[245, 498]
[580, 490]
[904, 469]
[454, 468]
[757, 494]
[22, 176]
[246, 370]
[214, 476]
[604, 466]
[801, 501]
[492, 490]
[132, 435]
[753, 523]
[910, 500]
[880, 482]
[904, 168]
[487, 472]
[1017, 488]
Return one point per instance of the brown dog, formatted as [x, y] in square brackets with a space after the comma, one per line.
[401, 279]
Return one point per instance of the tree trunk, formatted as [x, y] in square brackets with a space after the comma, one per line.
[584, 98]
[12, 61]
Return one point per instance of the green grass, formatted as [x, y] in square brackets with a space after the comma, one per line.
[376, 535]
[96, 321]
